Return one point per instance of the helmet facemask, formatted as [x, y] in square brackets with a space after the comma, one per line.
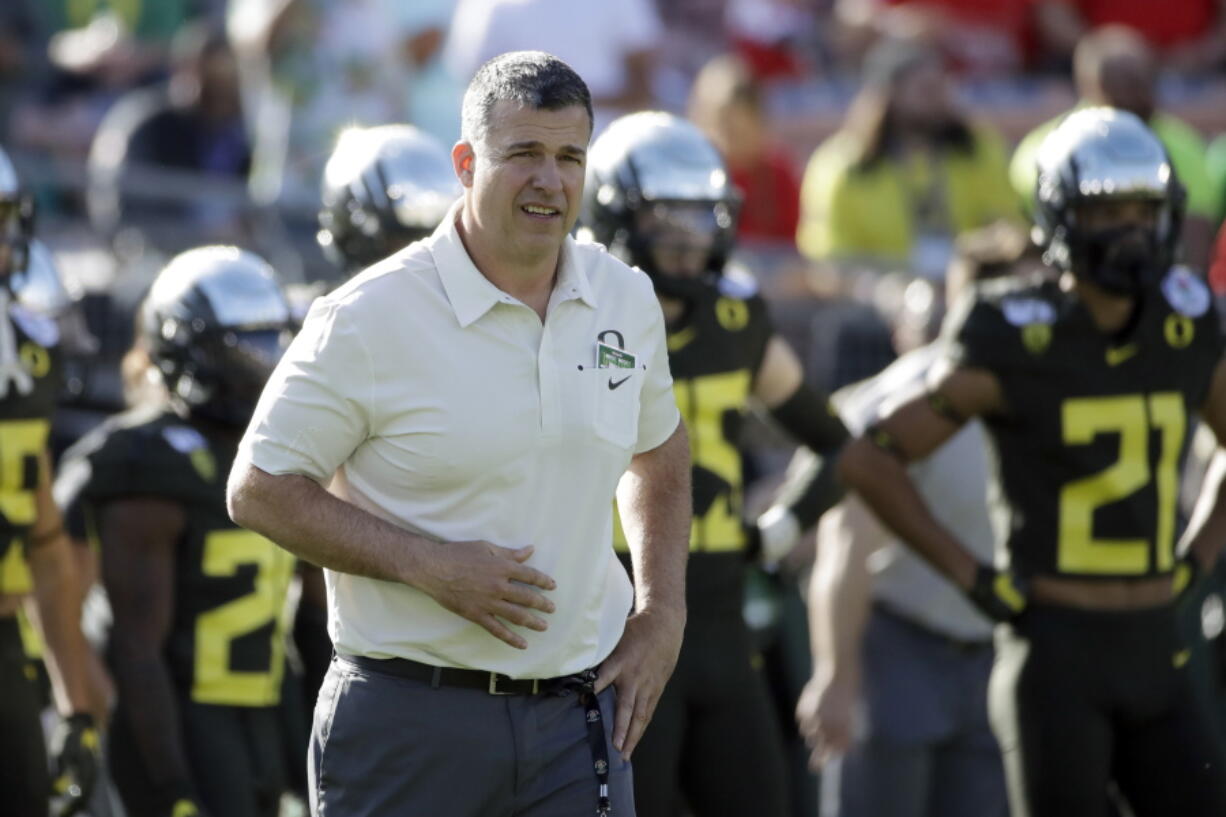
[16, 217]
[1121, 255]
[678, 244]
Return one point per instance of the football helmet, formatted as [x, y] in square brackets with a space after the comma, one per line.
[214, 324]
[1100, 155]
[658, 196]
[383, 188]
[16, 218]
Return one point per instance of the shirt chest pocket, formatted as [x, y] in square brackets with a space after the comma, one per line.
[614, 395]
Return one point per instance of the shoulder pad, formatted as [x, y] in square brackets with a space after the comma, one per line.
[184, 439]
[1025, 310]
[39, 328]
[737, 282]
[1186, 292]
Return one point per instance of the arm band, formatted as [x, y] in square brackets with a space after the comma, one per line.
[811, 487]
[886, 441]
[940, 404]
[810, 418]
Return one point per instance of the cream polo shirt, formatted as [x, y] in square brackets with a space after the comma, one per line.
[424, 394]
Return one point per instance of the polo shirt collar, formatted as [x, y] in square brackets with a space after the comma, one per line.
[472, 294]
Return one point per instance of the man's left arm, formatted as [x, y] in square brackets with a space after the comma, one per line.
[1206, 531]
[57, 595]
[654, 501]
[812, 485]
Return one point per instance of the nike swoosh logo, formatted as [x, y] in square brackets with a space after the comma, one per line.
[679, 340]
[1117, 355]
[613, 385]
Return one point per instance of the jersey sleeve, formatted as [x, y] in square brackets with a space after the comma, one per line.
[658, 413]
[121, 462]
[761, 330]
[975, 335]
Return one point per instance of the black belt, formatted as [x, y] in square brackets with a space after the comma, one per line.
[496, 683]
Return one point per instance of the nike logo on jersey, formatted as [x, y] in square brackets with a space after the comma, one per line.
[614, 384]
[1118, 354]
[679, 340]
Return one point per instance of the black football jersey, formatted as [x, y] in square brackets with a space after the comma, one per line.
[1089, 448]
[25, 422]
[714, 354]
[227, 639]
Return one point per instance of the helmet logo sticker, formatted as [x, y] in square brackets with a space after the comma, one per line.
[1186, 293]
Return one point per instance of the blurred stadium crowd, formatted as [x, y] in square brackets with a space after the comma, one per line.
[876, 145]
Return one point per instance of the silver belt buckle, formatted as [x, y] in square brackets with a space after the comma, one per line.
[493, 687]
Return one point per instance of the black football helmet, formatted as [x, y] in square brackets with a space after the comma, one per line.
[215, 323]
[383, 188]
[16, 218]
[658, 196]
[1106, 155]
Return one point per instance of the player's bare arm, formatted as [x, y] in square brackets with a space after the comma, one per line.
[874, 464]
[138, 537]
[57, 593]
[654, 501]
[477, 580]
[1206, 531]
[839, 599]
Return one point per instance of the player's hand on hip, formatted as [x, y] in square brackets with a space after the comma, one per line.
[638, 668]
[999, 594]
[825, 714]
[490, 585]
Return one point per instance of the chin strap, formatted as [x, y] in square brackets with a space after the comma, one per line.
[11, 367]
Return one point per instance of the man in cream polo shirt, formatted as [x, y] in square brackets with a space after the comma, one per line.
[471, 405]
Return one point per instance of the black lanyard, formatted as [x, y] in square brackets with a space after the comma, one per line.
[586, 683]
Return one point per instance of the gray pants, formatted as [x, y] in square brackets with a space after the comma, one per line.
[386, 746]
[927, 749]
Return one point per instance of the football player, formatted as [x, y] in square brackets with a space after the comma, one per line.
[35, 556]
[197, 648]
[1088, 384]
[658, 195]
[383, 188]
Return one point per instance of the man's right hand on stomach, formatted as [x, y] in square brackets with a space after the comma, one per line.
[488, 584]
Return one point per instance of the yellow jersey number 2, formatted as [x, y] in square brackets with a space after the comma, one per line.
[1131, 417]
[215, 683]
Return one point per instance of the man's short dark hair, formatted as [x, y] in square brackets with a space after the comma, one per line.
[532, 79]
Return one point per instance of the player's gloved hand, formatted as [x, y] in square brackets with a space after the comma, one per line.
[180, 801]
[999, 595]
[186, 807]
[76, 750]
[772, 537]
[1187, 575]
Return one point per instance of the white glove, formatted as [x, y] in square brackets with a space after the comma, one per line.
[779, 532]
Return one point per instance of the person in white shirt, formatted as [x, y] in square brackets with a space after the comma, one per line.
[445, 437]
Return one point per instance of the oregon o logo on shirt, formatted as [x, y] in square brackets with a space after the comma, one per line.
[36, 359]
[732, 314]
[1179, 330]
